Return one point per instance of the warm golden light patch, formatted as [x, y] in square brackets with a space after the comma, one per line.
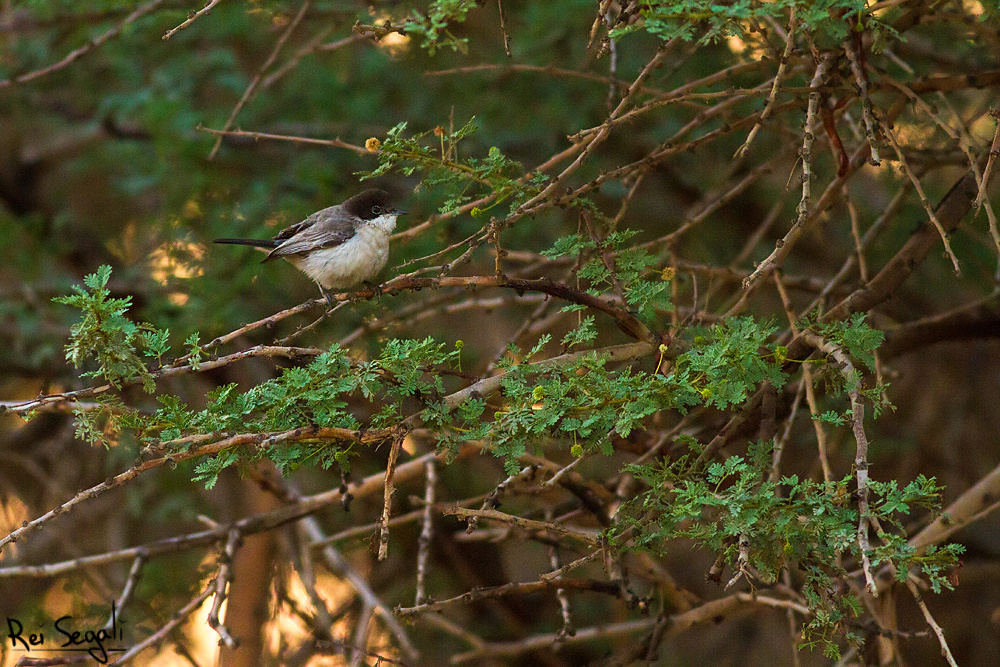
[287, 629]
[735, 44]
[201, 641]
[176, 259]
[127, 246]
[750, 45]
[973, 7]
[395, 43]
[913, 134]
[12, 513]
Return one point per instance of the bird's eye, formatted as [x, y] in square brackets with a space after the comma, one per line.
[376, 209]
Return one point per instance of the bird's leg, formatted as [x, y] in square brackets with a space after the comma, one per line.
[330, 301]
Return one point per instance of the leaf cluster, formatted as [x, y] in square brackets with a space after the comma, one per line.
[708, 21]
[730, 360]
[437, 160]
[732, 506]
[433, 26]
[583, 402]
[318, 394]
[104, 334]
[610, 263]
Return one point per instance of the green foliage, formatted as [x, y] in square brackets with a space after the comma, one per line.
[314, 395]
[728, 362]
[795, 522]
[707, 21]
[437, 160]
[585, 332]
[832, 418]
[582, 401]
[855, 336]
[107, 336]
[433, 26]
[101, 425]
[644, 291]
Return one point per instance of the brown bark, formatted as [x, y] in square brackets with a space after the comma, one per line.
[249, 590]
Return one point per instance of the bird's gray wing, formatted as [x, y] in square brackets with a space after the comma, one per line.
[293, 229]
[323, 229]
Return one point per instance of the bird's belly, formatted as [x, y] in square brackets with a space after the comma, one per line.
[346, 265]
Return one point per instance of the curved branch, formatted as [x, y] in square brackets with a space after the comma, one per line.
[626, 321]
[981, 321]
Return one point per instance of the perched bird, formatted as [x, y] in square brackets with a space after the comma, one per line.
[338, 247]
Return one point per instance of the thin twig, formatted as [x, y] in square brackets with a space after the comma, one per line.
[426, 532]
[336, 143]
[853, 380]
[133, 577]
[872, 233]
[222, 579]
[861, 79]
[773, 261]
[390, 471]
[852, 212]
[504, 590]
[821, 441]
[530, 525]
[503, 29]
[248, 93]
[965, 142]
[83, 50]
[192, 17]
[492, 499]
[769, 107]
[359, 650]
[938, 632]
[994, 151]
[558, 573]
[567, 629]
[923, 200]
[176, 619]
[314, 45]
[708, 612]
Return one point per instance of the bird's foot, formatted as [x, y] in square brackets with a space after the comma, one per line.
[376, 290]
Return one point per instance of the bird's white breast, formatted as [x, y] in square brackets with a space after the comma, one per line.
[356, 260]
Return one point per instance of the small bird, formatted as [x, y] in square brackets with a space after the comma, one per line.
[338, 247]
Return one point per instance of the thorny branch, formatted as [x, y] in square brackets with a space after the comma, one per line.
[853, 380]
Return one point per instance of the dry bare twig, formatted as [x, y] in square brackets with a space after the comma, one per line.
[192, 17]
[789, 45]
[252, 88]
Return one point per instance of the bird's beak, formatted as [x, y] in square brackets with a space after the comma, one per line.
[398, 211]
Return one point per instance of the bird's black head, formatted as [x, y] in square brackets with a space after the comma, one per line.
[371, 204]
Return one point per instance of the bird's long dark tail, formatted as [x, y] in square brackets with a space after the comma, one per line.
[257, 243]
